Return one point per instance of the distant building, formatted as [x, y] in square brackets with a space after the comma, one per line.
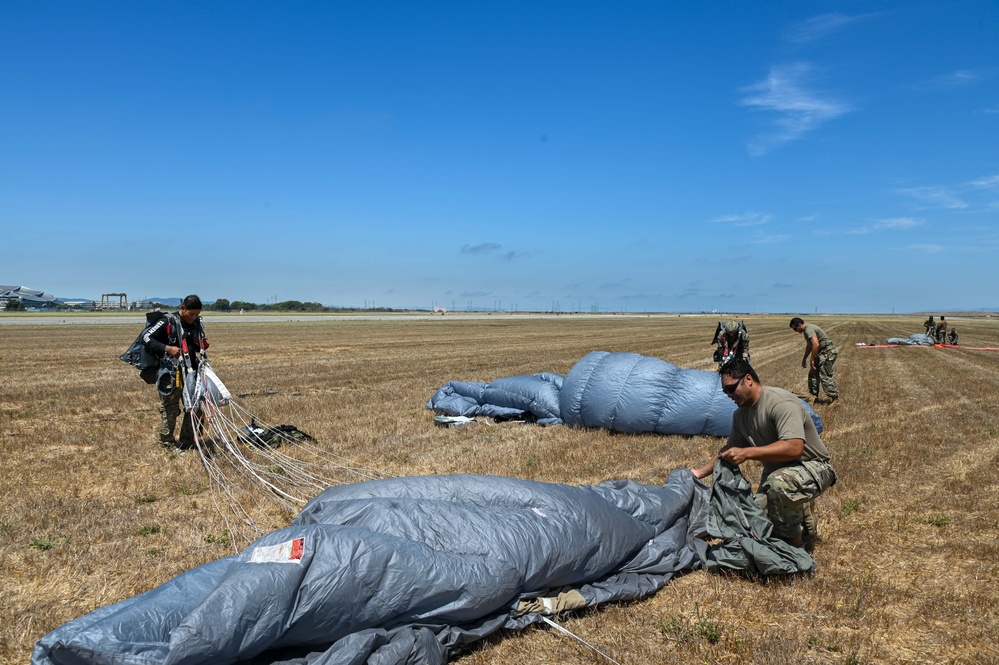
[28, 297]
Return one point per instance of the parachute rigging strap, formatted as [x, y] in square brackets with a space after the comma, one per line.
[589, 646]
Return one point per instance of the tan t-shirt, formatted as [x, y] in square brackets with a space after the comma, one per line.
[777, 415]
[812, 330]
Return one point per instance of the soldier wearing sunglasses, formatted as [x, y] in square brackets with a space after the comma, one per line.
[772, 426]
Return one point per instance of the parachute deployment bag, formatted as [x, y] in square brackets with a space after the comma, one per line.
[138, 355]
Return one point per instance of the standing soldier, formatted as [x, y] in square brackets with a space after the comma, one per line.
[176, 335]
[823, 354]
[941, 331]
[732, 340]
[930, 325]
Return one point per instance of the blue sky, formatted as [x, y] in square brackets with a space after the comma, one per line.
[641, 156]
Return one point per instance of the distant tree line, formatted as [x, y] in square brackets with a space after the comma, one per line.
[224, 305]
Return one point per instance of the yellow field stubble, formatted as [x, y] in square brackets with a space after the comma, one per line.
[95, 511]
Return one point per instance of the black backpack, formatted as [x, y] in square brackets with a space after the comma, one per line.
[138, 355]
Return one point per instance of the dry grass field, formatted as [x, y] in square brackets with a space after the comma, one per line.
[94, 511]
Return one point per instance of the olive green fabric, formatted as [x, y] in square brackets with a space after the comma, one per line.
[747, 545]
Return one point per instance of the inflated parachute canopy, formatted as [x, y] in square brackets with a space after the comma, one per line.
[623, 392]
[628, 392]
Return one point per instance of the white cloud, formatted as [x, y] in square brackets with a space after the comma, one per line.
[957, 79]
[989, 182]
[798, 109]
[894, 223]
[903, 223]
[817, 27]
[927, 248]
[744, 219]
[935, 197]
[771, 239]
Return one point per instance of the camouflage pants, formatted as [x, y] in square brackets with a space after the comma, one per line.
[822, 374]
[170, 410]
[787, 496]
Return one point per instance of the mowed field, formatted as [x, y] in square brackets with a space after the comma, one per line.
[93, 510]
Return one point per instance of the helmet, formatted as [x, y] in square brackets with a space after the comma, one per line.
[731, 327]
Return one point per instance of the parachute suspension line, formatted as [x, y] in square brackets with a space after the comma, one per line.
[589, 646]
[238, 460]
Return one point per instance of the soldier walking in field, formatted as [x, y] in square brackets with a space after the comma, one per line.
[823, 354]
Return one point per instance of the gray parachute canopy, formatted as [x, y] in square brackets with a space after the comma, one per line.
[624, 392]
[918, 339]
[404, 570]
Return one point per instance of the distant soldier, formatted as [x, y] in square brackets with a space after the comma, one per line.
[732, 340]
[952, 337]
[941, 330]
[930, 325]
[823, 354]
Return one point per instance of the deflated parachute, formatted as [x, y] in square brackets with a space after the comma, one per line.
[401, 571]
[918, 339]
[624, 392]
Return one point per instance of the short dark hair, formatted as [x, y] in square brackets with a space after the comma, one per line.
[736, 368]
[797, 321]
[191, 302]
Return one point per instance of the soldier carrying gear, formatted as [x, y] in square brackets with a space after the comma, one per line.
[930, 326]
[732, 340]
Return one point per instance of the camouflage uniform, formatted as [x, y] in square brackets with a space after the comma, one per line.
[170, 409]
[168, 331]
[941, 331]
[732, 339]
[821, 373]
[788, 497]
[788, 489]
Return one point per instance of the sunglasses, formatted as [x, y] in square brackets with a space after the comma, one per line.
[729, 389]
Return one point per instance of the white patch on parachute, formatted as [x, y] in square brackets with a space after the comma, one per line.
[290, 551]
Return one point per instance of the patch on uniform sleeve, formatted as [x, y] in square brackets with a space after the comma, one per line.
[290, 551]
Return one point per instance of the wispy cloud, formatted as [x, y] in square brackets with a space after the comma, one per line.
[771, 239]
[902, 223]
[952, 80]
[798, 109]
[988, 182]
[481, 248]
[743, 219]
[817, 27]
[935, 197]
[891, 224]
[927, 248]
